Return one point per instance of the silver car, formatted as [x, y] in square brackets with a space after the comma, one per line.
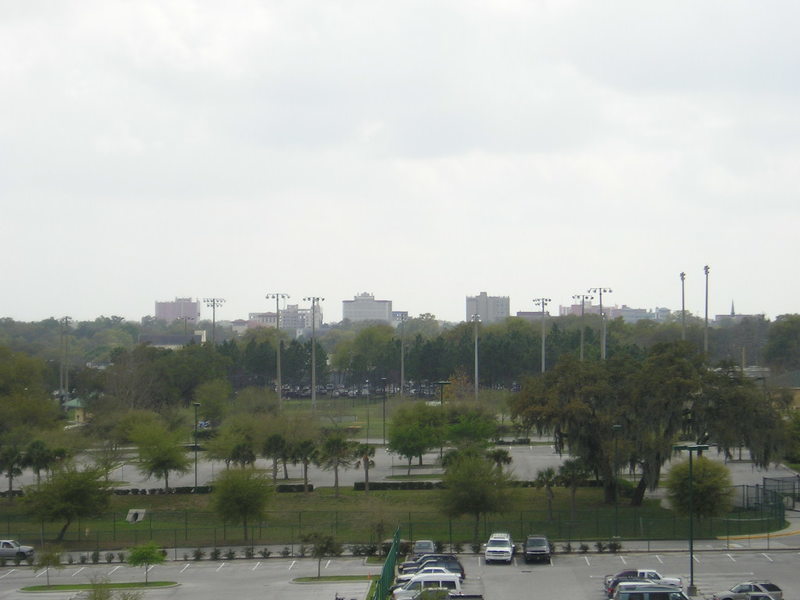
[13, 549]
[747, 589]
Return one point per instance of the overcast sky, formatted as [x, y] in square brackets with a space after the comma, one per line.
[421, 151]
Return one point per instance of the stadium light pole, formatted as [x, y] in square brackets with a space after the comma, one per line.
[683, 306]
[543, 302]
[691, 590]
[476, 319]
[278, 296]
[213, 303]
[315, 300]
[600, 291]
[616, 428]
[706, 269]
[583, 298]
[196, 406]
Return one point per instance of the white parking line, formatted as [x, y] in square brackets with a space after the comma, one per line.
[222, 565]
[622, 558]
[658, 558]
[7, 574]
[731, 557]
[42, 572]
[292, 565]
[327, 564]
[185, 567]
[586, 558]
[150, 568]
[258, 564]
[765, 555]
[111, 572]
[696, 559]
[78, 571]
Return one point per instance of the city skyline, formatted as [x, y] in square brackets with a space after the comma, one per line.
[527, 149]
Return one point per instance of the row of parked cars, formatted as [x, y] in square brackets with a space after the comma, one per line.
[648, 584]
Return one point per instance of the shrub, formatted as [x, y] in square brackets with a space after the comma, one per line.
[198, 554]
[614, 546]
[286, 552]
[121, 556]
[230, 554]
[458, 547]
[601, 547]
[264, 553]
[301, 551]
[567, 548]
[109, 557]
[583, 548]
[476, 548]
[215, 554]
[70, 559]
[83, 559]
[439, 546]
[249, 552]
[95, 557]
[185, 556]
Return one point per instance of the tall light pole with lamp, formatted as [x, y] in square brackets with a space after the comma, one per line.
[616, 428]
[315, 300]
[196, 406]
[476, 319]
[683, 306]
[402, 356]
[583, 298]
[691, 590]
[383, 385]
[706, 269]
[278, 296]
[213, 303]
[543, 302]
[600, 291]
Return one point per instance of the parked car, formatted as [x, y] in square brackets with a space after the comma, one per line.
[451, 563]
[401, 579]
[642, 575]
[450, 582]
[652, 591]
[537, 548]
[13, 549]
[421, 547]
[500, 547]
[413, 564]
[746, 589]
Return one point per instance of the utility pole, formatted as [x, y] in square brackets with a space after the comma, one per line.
[600, 291]
[64, 371]
[706, 269]
[402, 356]
[476, 319]
[683, 306]
[278, 296]
[583, 298]
[543, 302]
[213, 303]
[314, 301]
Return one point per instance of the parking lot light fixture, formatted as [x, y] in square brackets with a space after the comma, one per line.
[600, 291]
[690, 448]
[196, 406]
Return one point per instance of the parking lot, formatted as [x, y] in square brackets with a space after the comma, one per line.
[572, 576]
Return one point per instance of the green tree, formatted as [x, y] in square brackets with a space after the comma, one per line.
[500, 457]
[322, 545]
[48, 560]
[473, 486]
[214, 398]
[144, 556]
[415, 429]
[38, 457]
[68, 495]
[782, 351]
[304, 452]
[364, 454]
[547, 479]
[240, 496]
[11, 462]
[710, 488]
[335, 452]
[160, 453]
[276, 448]
[571, 474]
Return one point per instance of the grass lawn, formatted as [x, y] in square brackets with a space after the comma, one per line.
[89, 586]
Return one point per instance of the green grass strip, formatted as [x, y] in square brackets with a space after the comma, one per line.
[89, 586]
[330, 578]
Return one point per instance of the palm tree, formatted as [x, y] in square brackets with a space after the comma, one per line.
[38, 457]
[304, 452]
[499, 456]
[547, 479]
[11, 463]
[571, 474]
[336, 452]
[364, 454]
[276, 447]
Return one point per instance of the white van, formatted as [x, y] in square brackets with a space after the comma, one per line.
[649, 591]
[426, 581]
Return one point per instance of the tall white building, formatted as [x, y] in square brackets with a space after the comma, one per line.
[491, 309]
[364, 307]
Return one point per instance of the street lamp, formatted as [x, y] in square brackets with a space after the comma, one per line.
[314, 301]
[196, 405]
[476, 319]
[616, 428]
[683, 306]
[278, 296]
[583, 298]
[691, 590]
[706, 269]
[383, 384]
[402, 356]
[213, 303]
[600, 291]
[543, 302]
[441, 385]
[186, 323]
